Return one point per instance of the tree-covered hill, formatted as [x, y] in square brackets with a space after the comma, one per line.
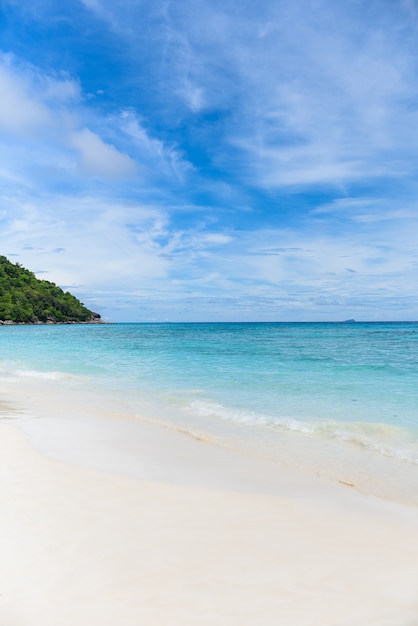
[26, 299]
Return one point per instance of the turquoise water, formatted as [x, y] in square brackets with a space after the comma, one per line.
[249, 383]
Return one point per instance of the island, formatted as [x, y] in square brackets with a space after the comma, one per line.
[24, 299]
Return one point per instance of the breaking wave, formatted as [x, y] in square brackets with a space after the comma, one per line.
[387, 440]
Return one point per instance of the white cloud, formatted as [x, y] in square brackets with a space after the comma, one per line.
[152, 151]
[99, 251]
[346, 205]
[46, 128]
[108, 251]
[314, 93]
[97, 7]
[45, 114]
[98, 158]
[193, 95]
[20, 112]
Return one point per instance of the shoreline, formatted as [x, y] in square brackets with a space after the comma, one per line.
[119, 521]
[85, 412]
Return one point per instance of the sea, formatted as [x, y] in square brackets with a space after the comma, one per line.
[339, 400]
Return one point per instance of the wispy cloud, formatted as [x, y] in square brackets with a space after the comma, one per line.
[314, 94]
[44, 119]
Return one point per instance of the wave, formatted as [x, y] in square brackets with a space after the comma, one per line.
[42, 375]
[406, 452]
[385, 439]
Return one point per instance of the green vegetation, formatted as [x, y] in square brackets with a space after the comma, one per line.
[25, 299]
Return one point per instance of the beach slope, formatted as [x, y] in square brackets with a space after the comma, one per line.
[89, 547]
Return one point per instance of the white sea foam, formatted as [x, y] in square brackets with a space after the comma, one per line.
[42, 375]
[214, 409]
[384, 439]
[385, 442]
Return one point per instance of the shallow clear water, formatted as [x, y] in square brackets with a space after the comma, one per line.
[354, 384]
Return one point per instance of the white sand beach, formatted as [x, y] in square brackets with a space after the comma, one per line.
[109, 521]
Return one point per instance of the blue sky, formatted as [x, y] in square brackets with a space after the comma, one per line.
[214, 160]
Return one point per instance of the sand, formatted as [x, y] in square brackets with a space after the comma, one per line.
[137, 525]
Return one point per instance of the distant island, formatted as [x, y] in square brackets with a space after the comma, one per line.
[24, 299]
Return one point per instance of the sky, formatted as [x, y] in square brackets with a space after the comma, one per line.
[208, 160]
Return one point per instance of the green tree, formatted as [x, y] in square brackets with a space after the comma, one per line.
[24, 298]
